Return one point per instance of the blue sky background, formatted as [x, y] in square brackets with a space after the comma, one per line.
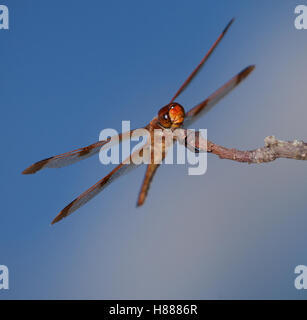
[70, 69]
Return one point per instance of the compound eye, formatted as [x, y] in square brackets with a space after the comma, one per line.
[176, 114]
[164, 118]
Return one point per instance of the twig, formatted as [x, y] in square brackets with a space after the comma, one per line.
[272, 150]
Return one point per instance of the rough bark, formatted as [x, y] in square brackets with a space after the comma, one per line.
[272, 150]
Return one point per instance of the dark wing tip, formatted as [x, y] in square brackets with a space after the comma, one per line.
[36, 166]
[63, 214]
[59, 217]
[140, 201]
[228, 25]
[245, 72]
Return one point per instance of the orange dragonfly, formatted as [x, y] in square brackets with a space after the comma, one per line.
[171, 116]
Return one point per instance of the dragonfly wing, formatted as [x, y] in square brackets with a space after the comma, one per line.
[123, 168]
[74, 156]
[202, 62]
[157, 153]
[214, 98]
[150, 172]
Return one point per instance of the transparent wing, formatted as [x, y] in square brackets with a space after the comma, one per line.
[74, 156]
[205, 58]
[214, 98]
[157, 153]
[86, 196]
[150, 172]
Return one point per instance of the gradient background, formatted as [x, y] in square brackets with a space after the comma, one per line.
[70, 69]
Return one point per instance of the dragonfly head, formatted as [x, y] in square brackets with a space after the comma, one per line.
[171, 116]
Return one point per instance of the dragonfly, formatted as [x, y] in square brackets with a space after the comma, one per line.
[169, 117]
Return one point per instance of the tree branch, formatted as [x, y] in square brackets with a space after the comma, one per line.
[272, 150]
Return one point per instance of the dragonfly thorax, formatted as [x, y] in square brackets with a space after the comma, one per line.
[171, 116]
